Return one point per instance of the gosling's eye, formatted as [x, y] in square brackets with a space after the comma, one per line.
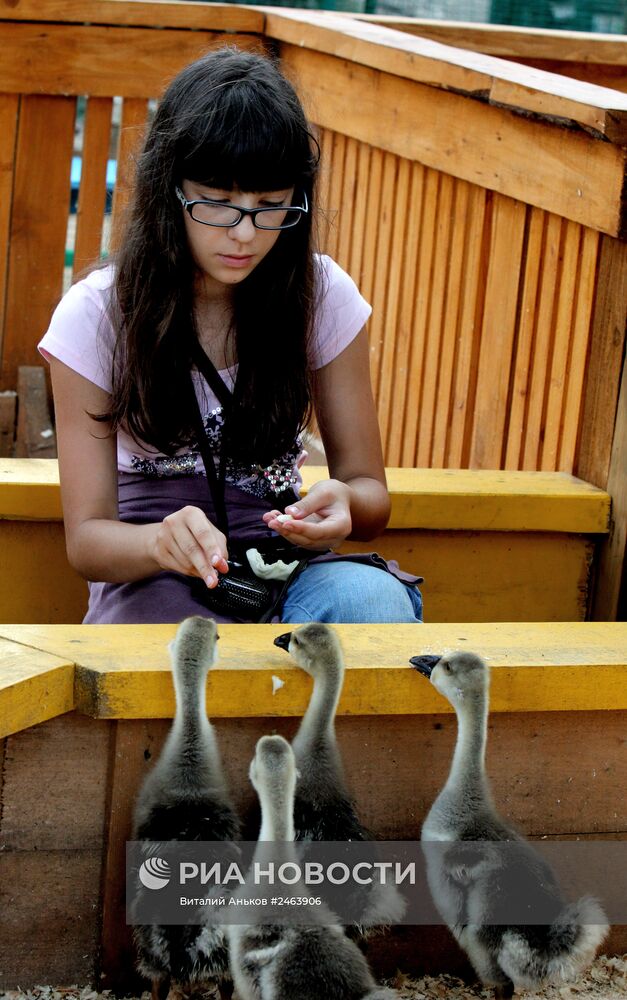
[295, 640]
[446, 666]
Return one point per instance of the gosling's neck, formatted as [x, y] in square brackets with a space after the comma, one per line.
[468, 768]
[277, 815]
[318, 722]
[191, 729]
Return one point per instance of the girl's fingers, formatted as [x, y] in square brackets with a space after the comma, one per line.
[198, 548]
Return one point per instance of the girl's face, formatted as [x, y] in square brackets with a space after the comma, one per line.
[225, 256]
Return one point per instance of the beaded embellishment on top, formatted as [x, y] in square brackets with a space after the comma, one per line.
[255, 479]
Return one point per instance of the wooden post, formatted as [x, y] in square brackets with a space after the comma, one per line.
[35, 436]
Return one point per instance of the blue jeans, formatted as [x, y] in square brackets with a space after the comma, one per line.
[350, 592]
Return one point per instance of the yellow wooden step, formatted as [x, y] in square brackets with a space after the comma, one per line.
[123, 671]
[34, 686]
[456, 499]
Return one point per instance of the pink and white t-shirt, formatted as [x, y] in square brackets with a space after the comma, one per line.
[82, 337]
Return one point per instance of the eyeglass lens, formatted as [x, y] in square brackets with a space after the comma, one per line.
[226, 215]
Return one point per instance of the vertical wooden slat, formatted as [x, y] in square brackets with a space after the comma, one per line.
[347, 203]
[132, 127]
[526, 335]
[450, 324]
[361, 216]
[41, 200]
[581, 339]
[387, 403]
[324, 183]
[497, 337]
[466, 361]
[384, 262]
[338, 147]
[9, 109]
[403, 392]
[607, 345]
[434, 344]
[545, 321]
[610, 599]
[559, 372]
[92, 191]
[421, 318]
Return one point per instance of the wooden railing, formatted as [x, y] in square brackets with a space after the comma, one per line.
[478, 203]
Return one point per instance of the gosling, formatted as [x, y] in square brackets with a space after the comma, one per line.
[473, 883]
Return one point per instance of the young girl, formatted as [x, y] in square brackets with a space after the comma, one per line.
[218, 256]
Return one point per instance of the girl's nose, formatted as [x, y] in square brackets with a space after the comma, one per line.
[244, 231]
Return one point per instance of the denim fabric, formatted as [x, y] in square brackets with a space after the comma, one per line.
[350, 592]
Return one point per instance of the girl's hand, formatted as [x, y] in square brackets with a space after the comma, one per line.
[321, 520]
[187, 542]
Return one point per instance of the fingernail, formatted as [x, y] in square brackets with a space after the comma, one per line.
[215, 560]
[211, 580]
[291, 510]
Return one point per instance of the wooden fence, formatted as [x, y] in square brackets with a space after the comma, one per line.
[478, 203]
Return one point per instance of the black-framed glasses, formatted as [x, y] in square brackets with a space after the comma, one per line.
[225, 216]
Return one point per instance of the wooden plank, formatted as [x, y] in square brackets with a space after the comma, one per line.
[93, 185]
[519, 402]
[415, 376]
[467, 499]
[558, 170]
[426, 61]
[35, 435]
[607, 345]
[130, 139]
[450, 325]
[559, 372]
[38, 227]
[390, 376]
[41, 765]
[497, 335]
[361, 214]
[404, 397]
[131, 746]
[9, 109]
[545, 322]
[610, 599]
[348, 198]
[8, 410]
[99, 60]
[580, 348]
[123, 671]
[510, 41]
[475, 499]
[467, 360]
[369, 252]
[514, 587]
[611, 76]
[220, 17]
[34, 686]
[384, 263]
[37, 583]
[49, 916]
[434, 353]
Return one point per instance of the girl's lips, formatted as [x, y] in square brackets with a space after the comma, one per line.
[231, 261]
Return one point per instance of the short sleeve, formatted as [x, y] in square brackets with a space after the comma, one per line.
[341, 312]
[80, 332]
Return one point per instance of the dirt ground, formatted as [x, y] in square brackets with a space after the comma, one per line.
[605, 980]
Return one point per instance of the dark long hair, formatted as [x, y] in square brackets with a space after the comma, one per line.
[228, 120]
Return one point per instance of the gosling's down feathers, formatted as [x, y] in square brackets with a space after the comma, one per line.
[323, 807]
[309, 960]
[474, 882]
[184, 798]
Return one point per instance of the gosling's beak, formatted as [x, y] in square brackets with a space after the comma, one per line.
[283, 640]
[424, 664]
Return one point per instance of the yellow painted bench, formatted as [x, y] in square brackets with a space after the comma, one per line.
[85, 709]
[492, 546]
[123, 671]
